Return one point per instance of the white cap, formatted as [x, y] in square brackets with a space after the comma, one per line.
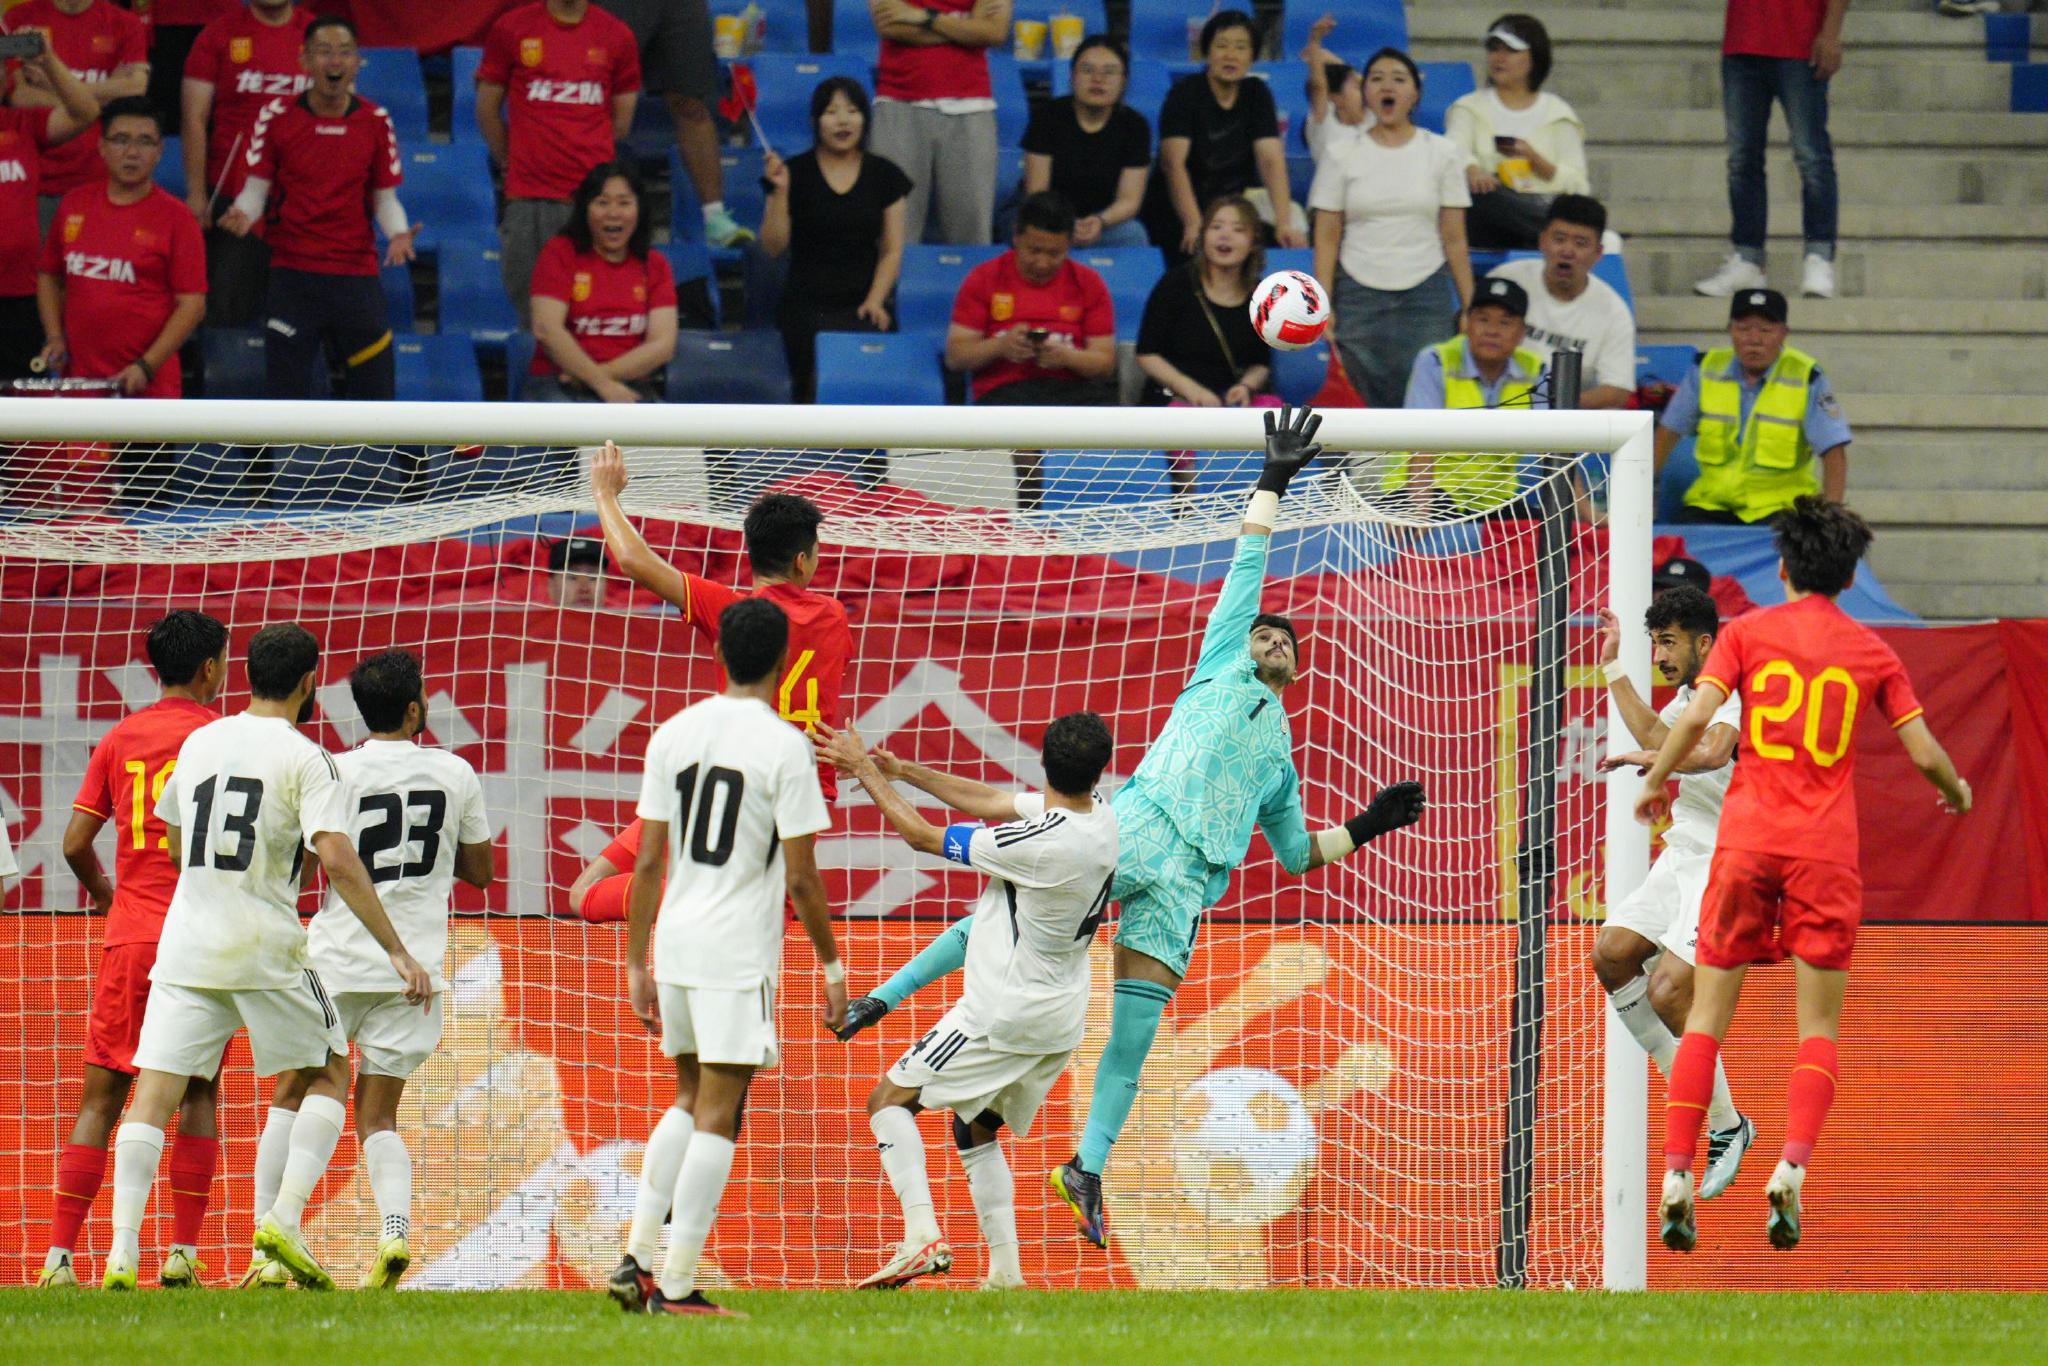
[1507, 38]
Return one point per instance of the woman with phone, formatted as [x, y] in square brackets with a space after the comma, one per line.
[1526, 145]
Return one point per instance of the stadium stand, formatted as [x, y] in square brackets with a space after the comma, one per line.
[733, 367]
[890, 367]
[392, 77]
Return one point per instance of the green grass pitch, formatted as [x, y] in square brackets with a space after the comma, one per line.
[827, 1328]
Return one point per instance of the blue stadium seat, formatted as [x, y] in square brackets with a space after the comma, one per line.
[786, 83]
[447, 190]
[1072, 478]
[745, 200]
[1669, 363]
[463, 62]
[1363, 26]
[1302, 259]
[208, 476]
[440, 368]
[690, 259]
[1013, 105]
[1288, 82]
[234, 361]
[1298, 375]
[398, 301]
[1442, 84]
[478, 471]
[881, 367]
[931, 277]
[1159, 29]
[170, 171]
[473, 302]
[391, 76]
[853, 32]
[1130, 273]
[519, 348]
[339, 476]
[729, 367]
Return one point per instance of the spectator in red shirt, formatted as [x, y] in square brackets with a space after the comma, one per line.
[604, 306]
[237, 65]
[935, 111]
[333, 157]
[675, 53]
[572, 78]
[105, 45]
[25, 136]
[123, 277]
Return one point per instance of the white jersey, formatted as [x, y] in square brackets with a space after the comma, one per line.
[732, 780]
[246, 796]
[1696, 814]
[1027, 959]
[410, 808]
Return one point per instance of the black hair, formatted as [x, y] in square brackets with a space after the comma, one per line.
[279, 656]
[1048, 211]
[132, 107]
[1285, 624]
[1686, 608]
[180, 644]
[1414, 71]
[1820, 543]
[1531, 31]
[1107, 44]
[575, 550]
[384, 686]
[752, 634]
[780, 527]
[332, 21]
[1579, 210]
[1077, 748]
[1229, 18]
[821, 97]
[577, 229]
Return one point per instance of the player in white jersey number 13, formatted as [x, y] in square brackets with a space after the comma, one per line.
[249, 796]
[994, 1056]
[730, 808]
[1661, 918]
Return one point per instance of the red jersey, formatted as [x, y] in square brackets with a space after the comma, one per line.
[123, 780]
[324, 175]
[820, 644]
[996, 297]
[185, 13]
[248, 63]
[940, 71]
[24, 142]
[123, 267]
[1772, 28]
[94, 43]
[608, 302]
[560, 80]
[1805, 672]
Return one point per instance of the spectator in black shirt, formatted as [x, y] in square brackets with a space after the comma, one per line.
[1093, 149]
[1219, 135]
[838, 210]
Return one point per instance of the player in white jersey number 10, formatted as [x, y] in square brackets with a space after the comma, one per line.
[249, 795]
[994, 1056]
[1661, 918]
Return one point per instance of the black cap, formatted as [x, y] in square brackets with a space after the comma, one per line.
[1680, 572]
[576, 550]
[1759, 303]
[1496, 292]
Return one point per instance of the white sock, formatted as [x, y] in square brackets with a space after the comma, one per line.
[271, 1151]
[1632, 1003]
[902, 1151]
[1721, 1111]
[55, 1258]
[138, 1148]
[314, 1135]
[707, 1163]
[390, 1182]
[660, 1164]
[713, 208]
[995, 1206]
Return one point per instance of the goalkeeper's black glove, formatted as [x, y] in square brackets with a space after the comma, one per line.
[860, 1014]
[1290, 444]
[1394, 807]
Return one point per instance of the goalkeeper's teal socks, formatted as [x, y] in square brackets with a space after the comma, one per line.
[1134, 1014]
[944, 954]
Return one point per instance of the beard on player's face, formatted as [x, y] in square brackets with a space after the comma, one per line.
[1273, 657]
[305, 711]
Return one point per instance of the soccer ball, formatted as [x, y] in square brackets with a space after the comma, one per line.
[1245, 1146]
[1290, 310]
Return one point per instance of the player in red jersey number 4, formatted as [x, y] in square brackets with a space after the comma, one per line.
[1784, 879]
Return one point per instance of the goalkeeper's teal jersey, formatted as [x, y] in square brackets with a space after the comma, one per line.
[1225, 760]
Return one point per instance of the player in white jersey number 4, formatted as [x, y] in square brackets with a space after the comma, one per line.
[1662, 917]
[249, 795]
[994, 1056]
[418, 822]
[730, 810]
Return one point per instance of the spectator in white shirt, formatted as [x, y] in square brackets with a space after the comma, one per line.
[1570, 310]
[1526, 145]
[1336, 96]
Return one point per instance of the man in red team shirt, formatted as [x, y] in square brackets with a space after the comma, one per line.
[123, 779]
[237, 65]
[1784, 878]
[107, 47]
[332, 157]
[26, 136]
[572, 76]
[122, 282]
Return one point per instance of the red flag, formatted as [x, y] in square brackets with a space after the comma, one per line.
[743, 97]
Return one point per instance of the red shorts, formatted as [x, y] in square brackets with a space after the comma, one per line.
[1761, 908]
[118, 1002]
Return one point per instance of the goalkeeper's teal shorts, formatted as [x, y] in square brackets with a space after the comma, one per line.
[1162, 883]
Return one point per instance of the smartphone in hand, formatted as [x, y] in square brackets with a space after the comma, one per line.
[21, 46]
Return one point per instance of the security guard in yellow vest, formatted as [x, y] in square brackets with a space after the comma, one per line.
[1486, 367]
[1769, 426]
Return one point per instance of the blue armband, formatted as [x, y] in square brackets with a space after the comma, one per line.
[958, 837]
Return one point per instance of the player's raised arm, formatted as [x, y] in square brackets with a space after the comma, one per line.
[1290, 444]
[845, 749]
[1685, 733]
[1933, 762]
[629, 549]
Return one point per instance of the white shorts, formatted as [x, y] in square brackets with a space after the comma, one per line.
[1666, 908]
[953, 1070]
[184, 1029]
[395, 1035]
[733, 1025]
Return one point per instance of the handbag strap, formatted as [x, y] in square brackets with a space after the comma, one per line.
[1202, 298]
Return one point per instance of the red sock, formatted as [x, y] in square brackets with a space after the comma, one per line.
[607, 900]
[192, 1164]
[1809, 1091]
[1690, 1088]
[80, 1170]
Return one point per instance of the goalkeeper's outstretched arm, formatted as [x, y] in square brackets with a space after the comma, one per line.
[1300, 851]
[1290, 444]
[629, 549]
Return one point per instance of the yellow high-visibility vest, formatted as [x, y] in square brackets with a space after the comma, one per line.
[1759, 471]
[1474, 481]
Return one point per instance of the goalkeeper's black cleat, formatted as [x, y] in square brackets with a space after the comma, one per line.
[1290, 444]
[861, 1014]
[1394, 808]
[631, 1285]
[1082, 1192]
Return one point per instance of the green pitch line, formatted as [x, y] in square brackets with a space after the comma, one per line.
[1251, 1329]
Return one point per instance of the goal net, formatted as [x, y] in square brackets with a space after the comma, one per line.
[1386, 1073]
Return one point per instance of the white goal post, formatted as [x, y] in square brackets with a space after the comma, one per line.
[666, 446]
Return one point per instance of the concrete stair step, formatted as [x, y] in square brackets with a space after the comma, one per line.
[1585, 26]
[1916, 177]
[1714, 7]
[1857, 365]
[1907, 462]
[1641, 219]
[1926, 555]
[1954, 508]
[1873, 272]
[1948, 601]
[1994, 419]
[1661, 127]
[1970, 321]
[1597, 82]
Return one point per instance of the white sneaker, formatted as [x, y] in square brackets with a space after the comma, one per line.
[911, 1261]
[1734, 275]
[1783, 1193]
[60, 1276]
[1817, 280]
[1003, 1280]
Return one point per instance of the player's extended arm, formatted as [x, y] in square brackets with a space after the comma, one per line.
[1290, 444]
[1684, 734]
[807, 894]
[965, 795]
[347, 876]
[844, 750]
[1933, 762]
[476, 864]
[84, 860]
[1392, 808]
[629, 549]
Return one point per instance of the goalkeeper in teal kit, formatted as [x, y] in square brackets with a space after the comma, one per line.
[1223, 763]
